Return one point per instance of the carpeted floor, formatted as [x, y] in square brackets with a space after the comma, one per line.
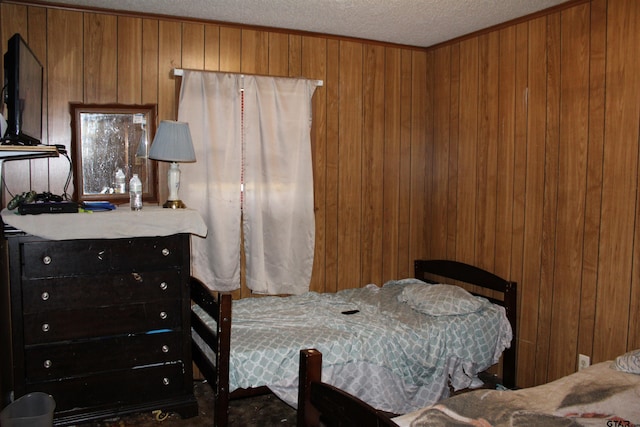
[258, 411]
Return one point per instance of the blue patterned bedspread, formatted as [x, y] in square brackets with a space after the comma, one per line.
[268, 332]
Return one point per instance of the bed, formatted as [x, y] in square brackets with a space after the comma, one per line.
[604, 394]
[377, 341]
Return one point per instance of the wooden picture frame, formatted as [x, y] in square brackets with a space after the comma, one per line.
[108, 137]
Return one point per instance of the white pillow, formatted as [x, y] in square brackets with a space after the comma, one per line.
[628, 362]
[440, 300]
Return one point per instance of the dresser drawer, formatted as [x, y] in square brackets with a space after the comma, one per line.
[46, 258]
[80, 358]
[116, 388]
[39, 295]
[82, 322]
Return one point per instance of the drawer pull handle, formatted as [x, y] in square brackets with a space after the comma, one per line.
[166, 252]
[45, 327]
[163, 315]
[164, 286]
[47, 364]
[165, 381]
[101, 255]
[165, 348]
[46, 260]
[137, 277]
[45, 296]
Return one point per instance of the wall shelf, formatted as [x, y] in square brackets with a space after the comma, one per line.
[22, 152]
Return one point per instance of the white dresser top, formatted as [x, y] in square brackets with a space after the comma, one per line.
[118, 223]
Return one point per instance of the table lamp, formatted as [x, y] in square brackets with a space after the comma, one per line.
[172, 143]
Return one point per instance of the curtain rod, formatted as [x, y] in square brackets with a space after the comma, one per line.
[179, 72]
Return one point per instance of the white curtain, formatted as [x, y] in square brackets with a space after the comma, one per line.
[278, 219]
[210, 103]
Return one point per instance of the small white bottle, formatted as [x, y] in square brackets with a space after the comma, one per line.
[135, 193]
[120, 182]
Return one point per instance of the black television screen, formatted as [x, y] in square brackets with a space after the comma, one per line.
[23, 94]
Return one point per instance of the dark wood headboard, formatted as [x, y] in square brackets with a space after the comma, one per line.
[430, 270]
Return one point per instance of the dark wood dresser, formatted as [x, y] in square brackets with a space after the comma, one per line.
[100, 324]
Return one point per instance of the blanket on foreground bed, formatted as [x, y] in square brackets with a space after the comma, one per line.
[600, 395]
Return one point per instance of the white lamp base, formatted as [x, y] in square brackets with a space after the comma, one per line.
[173, 180]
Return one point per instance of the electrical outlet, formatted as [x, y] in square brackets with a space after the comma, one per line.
[583, 361]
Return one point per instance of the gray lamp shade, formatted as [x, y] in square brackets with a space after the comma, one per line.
[172, 143]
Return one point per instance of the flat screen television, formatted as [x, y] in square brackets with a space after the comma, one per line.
[22, 94]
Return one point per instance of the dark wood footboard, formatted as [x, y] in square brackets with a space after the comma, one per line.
[323, 404]
[218, 306]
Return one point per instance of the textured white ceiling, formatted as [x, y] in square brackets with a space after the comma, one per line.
[409, 22]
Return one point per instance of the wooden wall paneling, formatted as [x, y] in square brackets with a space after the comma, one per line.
[620, 178]
[572, 153]
[230, 49]
[529, 289]
[391, 168]
[404, 264]
[332, 85]
[467, 152]
[295, 56]
[193, 46]
[454, 142]
[418, 158]
[520, 152]
[169, 58]
[440, 184]
[255, 52]
[314, 65]
[373, 137]
[129, 60]
[430, 160]
[633, 339]
[64, 84]
[100, 55]
[212, 47]
[350, 165]
[598, 33]
[550, 197]
[278, 54]
[506, 149]
[487, 150]
[150, 61]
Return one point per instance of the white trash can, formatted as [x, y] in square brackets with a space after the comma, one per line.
[31, 410]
